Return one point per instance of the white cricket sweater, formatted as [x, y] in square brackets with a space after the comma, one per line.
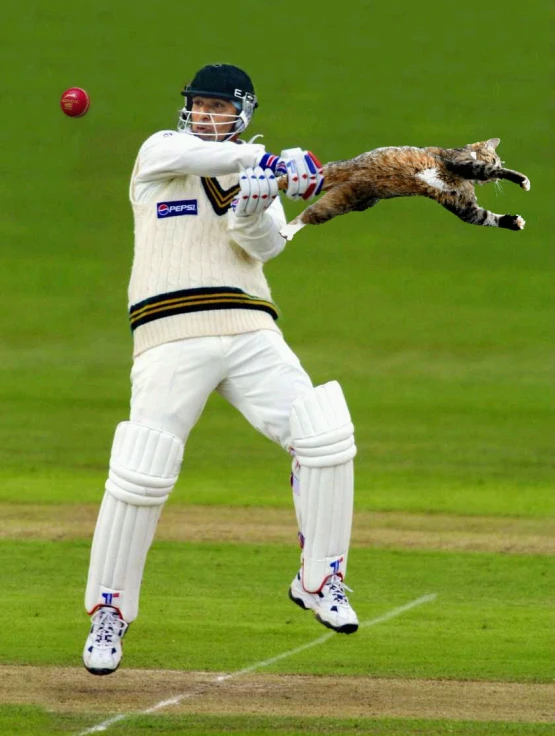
[197, 268]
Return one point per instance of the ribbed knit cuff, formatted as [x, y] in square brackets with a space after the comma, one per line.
[200, 324]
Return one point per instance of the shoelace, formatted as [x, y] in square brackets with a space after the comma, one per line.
[107, 624]
[337, 589]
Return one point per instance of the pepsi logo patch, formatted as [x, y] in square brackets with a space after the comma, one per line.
[176, 209]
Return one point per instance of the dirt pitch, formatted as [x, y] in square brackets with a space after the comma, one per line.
[74, 690]
[394, 530]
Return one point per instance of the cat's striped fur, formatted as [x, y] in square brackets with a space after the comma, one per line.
[447, 175]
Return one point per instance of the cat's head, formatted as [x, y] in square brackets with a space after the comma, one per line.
[485, 151]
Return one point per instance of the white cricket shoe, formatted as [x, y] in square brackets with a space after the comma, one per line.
[102, 653]
[331, 606]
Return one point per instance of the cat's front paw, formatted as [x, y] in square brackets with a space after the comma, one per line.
[520, 222]
[525, 184]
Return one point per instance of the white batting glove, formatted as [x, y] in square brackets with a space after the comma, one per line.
[258, 190]
[305, 177]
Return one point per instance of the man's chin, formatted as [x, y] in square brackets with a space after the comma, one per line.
[205, 135]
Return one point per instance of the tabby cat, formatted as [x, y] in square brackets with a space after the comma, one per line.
[447, 175]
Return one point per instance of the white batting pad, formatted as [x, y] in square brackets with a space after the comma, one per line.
[144, 466]
[324, 446]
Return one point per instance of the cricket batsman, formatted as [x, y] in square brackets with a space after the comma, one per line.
[207, 216]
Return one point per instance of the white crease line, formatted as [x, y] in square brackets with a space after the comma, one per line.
[398, 611]
[105, 725]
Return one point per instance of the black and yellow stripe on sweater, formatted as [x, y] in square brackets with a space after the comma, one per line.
[201, 299]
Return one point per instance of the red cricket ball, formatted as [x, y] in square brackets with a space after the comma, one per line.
[75, 102]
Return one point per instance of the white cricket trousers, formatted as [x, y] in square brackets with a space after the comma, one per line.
[256, 372]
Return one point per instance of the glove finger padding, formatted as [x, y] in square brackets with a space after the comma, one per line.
[239, 205]
[291, 159]
[315, 175]
[253, 189]
[304, 173]
[294, 179]
[262, 197]
[258, 189]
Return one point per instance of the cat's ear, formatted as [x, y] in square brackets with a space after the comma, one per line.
[493, 143]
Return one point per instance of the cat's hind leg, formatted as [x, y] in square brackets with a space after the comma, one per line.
[338, 201]
[321, 211]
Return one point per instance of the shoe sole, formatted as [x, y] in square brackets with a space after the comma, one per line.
[298, 601]
[95, 671]
[345, 629]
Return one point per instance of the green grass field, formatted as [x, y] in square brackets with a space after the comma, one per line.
[440, 333]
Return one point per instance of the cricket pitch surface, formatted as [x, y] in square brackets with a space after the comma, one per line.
[126, 691]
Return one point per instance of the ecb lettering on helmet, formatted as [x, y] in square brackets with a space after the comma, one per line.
[245, 96]
[176, 209]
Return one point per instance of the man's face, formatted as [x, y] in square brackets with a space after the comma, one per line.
[212, 118]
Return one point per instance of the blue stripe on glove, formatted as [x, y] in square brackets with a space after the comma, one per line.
[269, 161]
